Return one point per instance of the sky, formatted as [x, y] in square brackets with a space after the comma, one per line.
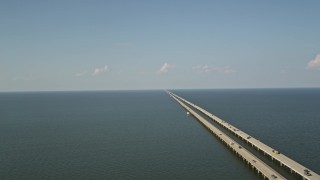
[119, 45]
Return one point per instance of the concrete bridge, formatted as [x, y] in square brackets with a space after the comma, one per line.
[294, 166]
[262, 168]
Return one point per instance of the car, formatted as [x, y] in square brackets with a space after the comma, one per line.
[240, 147]
[274, 176]
[248, 137]
[307, 172]
[275, 151]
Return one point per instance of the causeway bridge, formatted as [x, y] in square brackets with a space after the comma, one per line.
[266, 171]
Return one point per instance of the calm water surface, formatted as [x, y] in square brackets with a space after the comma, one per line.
[147, 135]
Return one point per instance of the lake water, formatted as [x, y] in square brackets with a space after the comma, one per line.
[147, 135]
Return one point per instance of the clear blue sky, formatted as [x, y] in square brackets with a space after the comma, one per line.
[107, 45]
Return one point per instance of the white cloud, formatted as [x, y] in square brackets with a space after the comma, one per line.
[100, 70]
[228, 70]
[213, 69]
[314, 64]
[165, 68]
[202, 68]
[80, 74]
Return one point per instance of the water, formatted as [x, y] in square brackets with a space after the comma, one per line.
[147, 135]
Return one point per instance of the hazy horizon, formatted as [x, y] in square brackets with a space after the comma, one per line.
[172, 89]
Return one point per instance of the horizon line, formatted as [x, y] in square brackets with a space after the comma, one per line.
[155, 89]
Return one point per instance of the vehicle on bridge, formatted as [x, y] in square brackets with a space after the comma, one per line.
[275, 151]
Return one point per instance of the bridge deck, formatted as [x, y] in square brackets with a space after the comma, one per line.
[284, 160]
[255, 162]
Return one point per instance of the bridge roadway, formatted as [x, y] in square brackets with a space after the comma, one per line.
[265, 170]
[281, 158]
